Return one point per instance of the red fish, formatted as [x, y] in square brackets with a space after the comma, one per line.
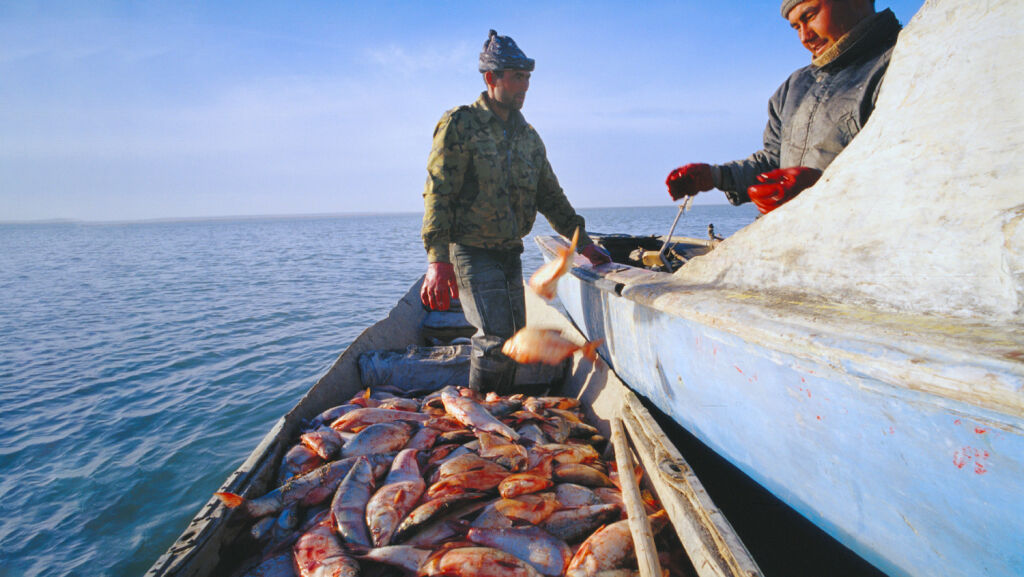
[476, 562]
[548, 346]
[609, 547]
[545, 280]
[319, 553]
[390, 504]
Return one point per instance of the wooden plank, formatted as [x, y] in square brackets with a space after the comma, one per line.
[639, 526]
[709, 539]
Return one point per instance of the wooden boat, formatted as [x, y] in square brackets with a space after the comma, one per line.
[858, 352]
[207, 546]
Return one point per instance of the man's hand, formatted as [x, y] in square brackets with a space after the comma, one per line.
[689, 180]
[781, 185]
[596, 255]
[439, 286]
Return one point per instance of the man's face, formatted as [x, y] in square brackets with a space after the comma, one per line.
[820, 23]
[510, 89]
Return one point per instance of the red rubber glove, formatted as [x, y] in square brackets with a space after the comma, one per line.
[781, 185]
[689, 180]
[596, 255]
[439, 286]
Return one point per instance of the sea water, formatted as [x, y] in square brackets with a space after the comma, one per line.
[140, 363]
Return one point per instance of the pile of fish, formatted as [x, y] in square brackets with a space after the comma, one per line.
[447, 484]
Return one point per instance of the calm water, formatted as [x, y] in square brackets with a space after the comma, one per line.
[141, 363]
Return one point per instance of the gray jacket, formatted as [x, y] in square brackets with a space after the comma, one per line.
[818, 110]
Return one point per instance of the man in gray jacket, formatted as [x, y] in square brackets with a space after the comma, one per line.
[815, 113]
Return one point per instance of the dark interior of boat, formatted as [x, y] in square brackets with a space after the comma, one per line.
[645, 251]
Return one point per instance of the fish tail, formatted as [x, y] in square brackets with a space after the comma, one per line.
[589, 350]
[565, 254]
[230, 500]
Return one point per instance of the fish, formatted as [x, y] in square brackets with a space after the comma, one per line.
[348, 508]
[512, 456]
[263, 528]
[556, 428]
[536, 479]
[547, 346]
[467, 488]
[491, 518]
[310, 489]
[484, 480]
[571, 495]
[476, 561]
[468, 462]
[501, 406]
[472, 414]
[532, 432]
[378, 438]
[534, 508]
[299, 460]
[610, 547]
[565, 454]
[404, 557]
[437, 532]
[544, 282]
[430, 510]
[574, 525]
[582, 475]
[371, 416]
[538, 404]
[325, 442]
[400, 404]
[332, 414]
[281, 565]
[320, 553]
[547, 554]
[389, 505]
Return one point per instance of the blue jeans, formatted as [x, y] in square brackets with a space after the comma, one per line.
[491, 291]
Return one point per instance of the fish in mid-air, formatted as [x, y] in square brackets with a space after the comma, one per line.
[548, 346]
[545, 280]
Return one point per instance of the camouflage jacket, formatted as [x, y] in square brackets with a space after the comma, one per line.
[815, 114]
[487, 180]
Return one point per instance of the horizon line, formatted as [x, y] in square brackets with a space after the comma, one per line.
[229, 217]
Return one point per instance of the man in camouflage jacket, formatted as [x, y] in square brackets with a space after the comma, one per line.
[815, 114]
[489, 175]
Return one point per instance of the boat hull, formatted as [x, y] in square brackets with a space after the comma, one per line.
[844, 426]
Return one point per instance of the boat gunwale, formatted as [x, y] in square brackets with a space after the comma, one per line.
[846, 337]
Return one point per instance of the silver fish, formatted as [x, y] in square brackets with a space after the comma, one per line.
[310, 489]
[349, 504]
[472, 414]
[572, 525]
[378, 438]
[547, 554]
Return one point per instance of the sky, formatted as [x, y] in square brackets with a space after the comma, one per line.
[154, 110]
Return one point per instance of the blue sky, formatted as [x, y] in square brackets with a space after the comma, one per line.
[141, 110]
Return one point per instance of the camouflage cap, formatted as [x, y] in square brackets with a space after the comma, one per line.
[501, 53]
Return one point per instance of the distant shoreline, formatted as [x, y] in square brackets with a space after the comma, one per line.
[244, 217]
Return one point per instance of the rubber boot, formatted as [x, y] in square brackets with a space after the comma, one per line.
[488, 374]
